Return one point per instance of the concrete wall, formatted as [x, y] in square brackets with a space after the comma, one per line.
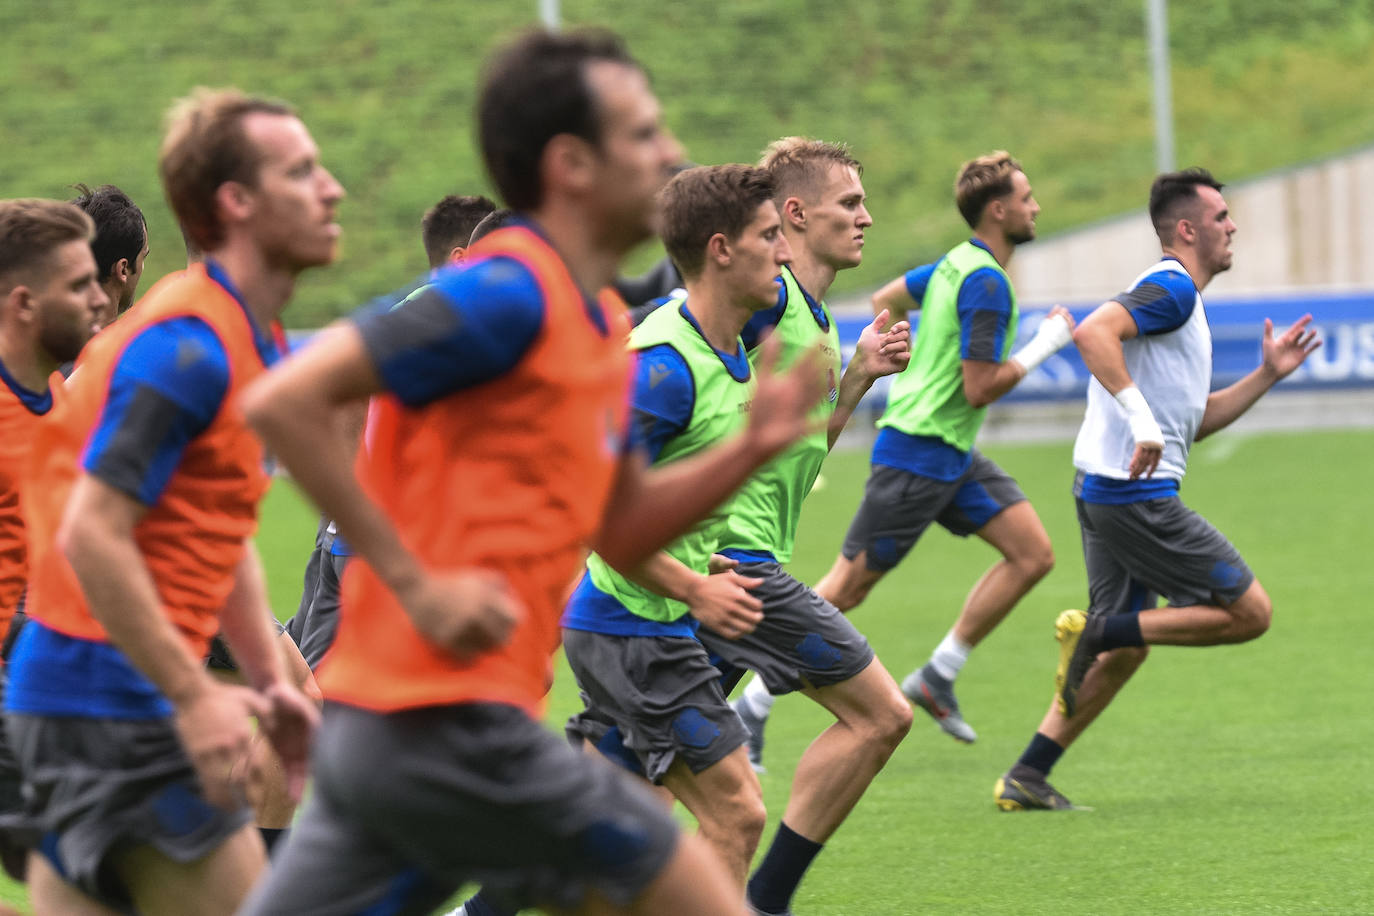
[1308, 227]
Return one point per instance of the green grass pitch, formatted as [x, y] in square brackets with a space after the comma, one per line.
[1230, 780]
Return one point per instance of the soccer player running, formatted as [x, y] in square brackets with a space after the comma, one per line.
[924, 465]
[631, 640]
[134, 757]
[51, 303]
[803, 643]
[446, 232]
[1150, 352]
[494, 458]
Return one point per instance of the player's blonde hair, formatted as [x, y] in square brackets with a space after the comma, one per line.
[799, 165]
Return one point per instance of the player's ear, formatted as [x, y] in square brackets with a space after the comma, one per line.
[234, 201]
[568, 162]
[20, 304]
[718, 250]
[793, 212]
[996, 210]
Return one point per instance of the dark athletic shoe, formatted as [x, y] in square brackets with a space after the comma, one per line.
[1030, 793]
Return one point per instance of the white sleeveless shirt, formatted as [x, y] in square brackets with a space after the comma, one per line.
[1173, 370]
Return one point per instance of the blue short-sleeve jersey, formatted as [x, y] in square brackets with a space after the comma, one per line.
[764, 320]
[1161, 302]
[472, 324]
[917, 279]
[166, 388]
[663, 398]
[984, 308]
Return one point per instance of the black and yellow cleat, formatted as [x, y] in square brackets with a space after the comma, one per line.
[1077, 652]
[1025, 792]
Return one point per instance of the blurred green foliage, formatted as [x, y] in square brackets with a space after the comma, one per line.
[915, 87]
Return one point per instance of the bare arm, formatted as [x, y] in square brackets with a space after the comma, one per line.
[245, 625]
[895, 298]
[291, 717]
[1099, 340]
[97, 536]
[721, 600]
[296, 409]
[876, 354]
[986, 381]
[1281, 356]
[648, 508]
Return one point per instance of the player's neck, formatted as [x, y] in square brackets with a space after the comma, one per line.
[720, 315]
[591, 258]
[25, 364]
[814, 275]
[1185, 256]
[265, 288]
[1001, 247]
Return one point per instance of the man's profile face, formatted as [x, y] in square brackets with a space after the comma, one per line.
[68, 303]
[837, 217]
[636, 154]
[1021, 210]
[759, 252]
[296, 197]
[1214, 228]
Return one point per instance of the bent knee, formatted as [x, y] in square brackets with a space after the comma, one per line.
[1253, 618]
[891, 720]
[1036, 563]
[743, 814]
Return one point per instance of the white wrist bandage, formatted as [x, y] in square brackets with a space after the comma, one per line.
[1052, 336]
[1144, 429]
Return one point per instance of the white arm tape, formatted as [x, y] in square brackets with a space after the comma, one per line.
[1052, 336]
[1144, 429]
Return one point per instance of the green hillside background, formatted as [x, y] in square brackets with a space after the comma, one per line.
[915, 87]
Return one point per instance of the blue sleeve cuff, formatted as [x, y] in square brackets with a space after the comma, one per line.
[472, 324]
[166, 389]
[663, 399]
[984, 308]
[1161, 302]
[917, 280]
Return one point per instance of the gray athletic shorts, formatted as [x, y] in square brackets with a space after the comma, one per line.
[898, 507]
[409, 805]
[317, 619]
[803, 640]
[93, 786]
[662, 692]
[16, 833]
[1137, 552]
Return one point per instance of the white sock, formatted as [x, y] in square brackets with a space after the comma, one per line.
[949, 656]
[758, 699]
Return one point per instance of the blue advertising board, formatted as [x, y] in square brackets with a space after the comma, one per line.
[1344, 321]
